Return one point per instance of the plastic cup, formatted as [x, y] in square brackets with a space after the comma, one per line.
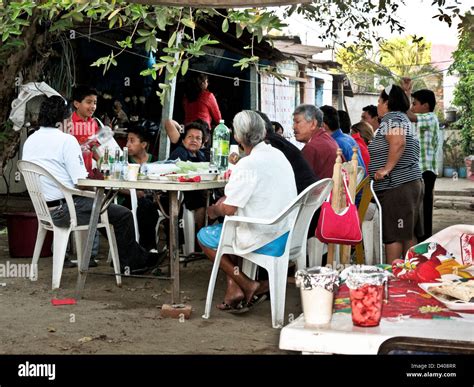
[133, 170]
[317, 286]
[366, 287]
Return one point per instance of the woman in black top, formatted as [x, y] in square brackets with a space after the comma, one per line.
[394, 166]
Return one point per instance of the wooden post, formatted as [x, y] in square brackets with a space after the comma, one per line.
[254, 86]
[167, 111]
[352, 172]
[336, 197]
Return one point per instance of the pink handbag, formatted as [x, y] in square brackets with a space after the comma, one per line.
[339, 228]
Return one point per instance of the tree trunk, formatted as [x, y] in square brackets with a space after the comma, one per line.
[29, 62]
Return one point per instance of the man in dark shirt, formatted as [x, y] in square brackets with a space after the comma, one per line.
[304, 175]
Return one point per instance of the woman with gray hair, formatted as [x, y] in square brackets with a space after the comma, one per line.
[253, 190]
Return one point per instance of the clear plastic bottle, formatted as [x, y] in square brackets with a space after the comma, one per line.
[144, 170]
[105, 166]
[220, 147]
[117, 166]
[125, 163]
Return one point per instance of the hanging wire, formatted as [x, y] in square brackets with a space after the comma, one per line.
[247, 80]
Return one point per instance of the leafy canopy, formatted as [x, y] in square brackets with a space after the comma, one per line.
[395, 58]
[145, 23]
[463, 66]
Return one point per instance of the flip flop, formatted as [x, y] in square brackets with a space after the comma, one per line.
[225, 307]
[248, 306]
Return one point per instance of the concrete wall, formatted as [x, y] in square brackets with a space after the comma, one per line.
[356, 103]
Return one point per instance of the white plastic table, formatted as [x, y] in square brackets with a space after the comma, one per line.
[340, 336]
[173, 188]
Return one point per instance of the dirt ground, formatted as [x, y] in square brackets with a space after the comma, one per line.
[112, 320]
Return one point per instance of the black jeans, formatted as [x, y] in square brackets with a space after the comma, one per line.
[131, 254]
[147, 217]
[429, 178]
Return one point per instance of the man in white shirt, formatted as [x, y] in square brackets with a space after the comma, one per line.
[261, 186]
[59, 152]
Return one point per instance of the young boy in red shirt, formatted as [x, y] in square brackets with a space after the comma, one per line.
[84, 126]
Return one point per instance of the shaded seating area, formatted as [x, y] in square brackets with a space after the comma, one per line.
[33, 175]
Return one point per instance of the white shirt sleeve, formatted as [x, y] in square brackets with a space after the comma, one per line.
[73, 160]
[241, 186]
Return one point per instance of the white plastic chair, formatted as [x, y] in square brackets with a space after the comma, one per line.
[300, 211]
[189, 231]
[134, 200]
[33, 174]
[372, 232]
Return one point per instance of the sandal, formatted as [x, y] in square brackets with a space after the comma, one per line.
[245, 307]
[225, 307]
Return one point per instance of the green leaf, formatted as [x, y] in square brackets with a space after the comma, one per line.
[167, 58]
[153, 42]
[77, 17]
[146, 72]
[188, 23]
[115, 12]
[143, 32]
[161, 20]
[112, 22]
[225, 25]
[184, 67]
[141, 39]
[172, 39]
[238, 30]
[15, 14]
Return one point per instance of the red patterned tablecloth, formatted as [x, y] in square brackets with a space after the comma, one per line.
[411, 301]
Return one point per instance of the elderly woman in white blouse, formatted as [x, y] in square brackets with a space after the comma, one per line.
[261, 185]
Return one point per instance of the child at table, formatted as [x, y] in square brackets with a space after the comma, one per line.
[138, 141]
[84, 126]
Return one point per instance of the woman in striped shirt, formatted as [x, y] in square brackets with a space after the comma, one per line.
[394, 166]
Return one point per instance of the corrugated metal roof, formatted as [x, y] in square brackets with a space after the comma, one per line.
[295, 49]
[325, 63]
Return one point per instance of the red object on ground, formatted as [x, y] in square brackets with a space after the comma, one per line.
[64, 301]
[22, 230]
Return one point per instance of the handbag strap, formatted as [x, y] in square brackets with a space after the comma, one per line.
[346, 189]
[348, 195]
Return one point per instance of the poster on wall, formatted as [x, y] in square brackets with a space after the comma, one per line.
[278, 102]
